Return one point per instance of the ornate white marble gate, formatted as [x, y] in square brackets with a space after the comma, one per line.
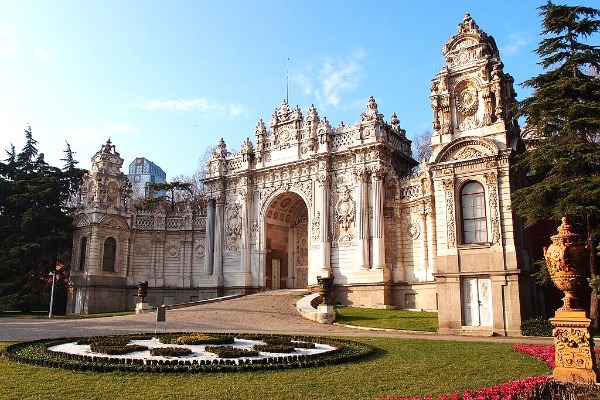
[308, 199]
[285, 226]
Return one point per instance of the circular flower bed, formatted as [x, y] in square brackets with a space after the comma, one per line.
[187, 352]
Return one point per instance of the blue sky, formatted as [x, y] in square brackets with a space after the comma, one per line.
[166, 79]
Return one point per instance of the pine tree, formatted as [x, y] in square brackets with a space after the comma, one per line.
[35, 223]
[564, 166]
[29, 152]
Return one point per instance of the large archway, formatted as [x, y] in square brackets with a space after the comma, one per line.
[286, 242]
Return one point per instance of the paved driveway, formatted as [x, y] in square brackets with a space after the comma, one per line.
[266, 312]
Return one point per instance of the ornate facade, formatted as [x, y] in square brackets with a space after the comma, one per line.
[307, 200]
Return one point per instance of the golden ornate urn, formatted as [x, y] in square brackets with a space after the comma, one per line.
[567, 260]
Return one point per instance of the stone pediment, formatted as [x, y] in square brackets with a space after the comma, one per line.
[467, 148]
[81, 220]
[113, 222]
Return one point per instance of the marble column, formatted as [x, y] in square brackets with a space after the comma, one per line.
[378, 220]
[324, 264]
[362, 220]
[246, 200]
[219, 230]
[209, 239]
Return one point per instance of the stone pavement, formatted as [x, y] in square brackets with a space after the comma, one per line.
[265, 312]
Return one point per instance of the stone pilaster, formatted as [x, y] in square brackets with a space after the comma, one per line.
[209, 240]
[378, 220]
[245, 271]
[362, 220]
[219, 231]
[324, 264]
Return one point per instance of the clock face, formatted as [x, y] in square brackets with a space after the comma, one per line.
[467, 101]
[285, 135]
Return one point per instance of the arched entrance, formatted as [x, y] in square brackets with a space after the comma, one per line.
[286, 242]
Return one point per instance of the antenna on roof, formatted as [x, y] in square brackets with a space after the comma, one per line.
[287, 81]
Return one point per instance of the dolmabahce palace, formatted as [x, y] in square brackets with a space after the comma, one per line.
[305, 200]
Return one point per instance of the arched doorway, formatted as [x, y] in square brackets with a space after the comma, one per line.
[286, 242]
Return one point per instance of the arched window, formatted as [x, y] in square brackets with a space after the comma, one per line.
[108, 258]
[472, 200]
[82, 250]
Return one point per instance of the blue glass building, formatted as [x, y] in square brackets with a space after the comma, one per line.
[142, 172]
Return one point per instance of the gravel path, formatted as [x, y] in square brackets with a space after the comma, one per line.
[266, 312]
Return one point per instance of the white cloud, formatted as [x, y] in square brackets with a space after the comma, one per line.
[122, 127]
[236, 110]
[202, 106]
[517, 40]
[302, 80]
[338, 76]
[43, 57]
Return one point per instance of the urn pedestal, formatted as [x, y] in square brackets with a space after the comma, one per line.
[573, 347]
[142, 307]
[574, 356]
[326, 311]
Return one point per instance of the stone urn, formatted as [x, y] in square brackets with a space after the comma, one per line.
[567, 262]
[142, 291]
[325, 288]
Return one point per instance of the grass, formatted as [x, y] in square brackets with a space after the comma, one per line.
[398, 367]
[44, 314]
[389, 319]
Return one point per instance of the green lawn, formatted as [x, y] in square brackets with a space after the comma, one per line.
[389, 319]
[399, 367]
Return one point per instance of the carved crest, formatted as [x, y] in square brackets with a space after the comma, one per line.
[345, 209]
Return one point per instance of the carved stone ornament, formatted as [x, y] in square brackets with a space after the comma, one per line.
[234, 224]
[200, 250]
[413, 230]
[254, 234]
[173, 249]
[450, 218]
[566, 260]
[574, 355]
[467, 152]
[345, 210]
[316, 227]
[142, 249]
[467, 101]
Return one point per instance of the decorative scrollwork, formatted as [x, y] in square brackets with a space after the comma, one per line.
[234, 224]
[345, 209]
[316, 227]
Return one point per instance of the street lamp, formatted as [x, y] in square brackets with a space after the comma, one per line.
[53, 274]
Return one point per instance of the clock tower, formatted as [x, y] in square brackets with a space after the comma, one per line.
[471, 95]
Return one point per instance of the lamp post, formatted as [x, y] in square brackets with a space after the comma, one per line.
[53, 274]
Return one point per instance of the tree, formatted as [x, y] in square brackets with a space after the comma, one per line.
[421, 146]
[564, 166]
[171, 189]
[35, 221]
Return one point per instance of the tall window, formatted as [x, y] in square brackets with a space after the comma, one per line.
[82, 250]
[108, 259]
[474, 228]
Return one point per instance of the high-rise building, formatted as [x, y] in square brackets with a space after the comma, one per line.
[142, 172]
